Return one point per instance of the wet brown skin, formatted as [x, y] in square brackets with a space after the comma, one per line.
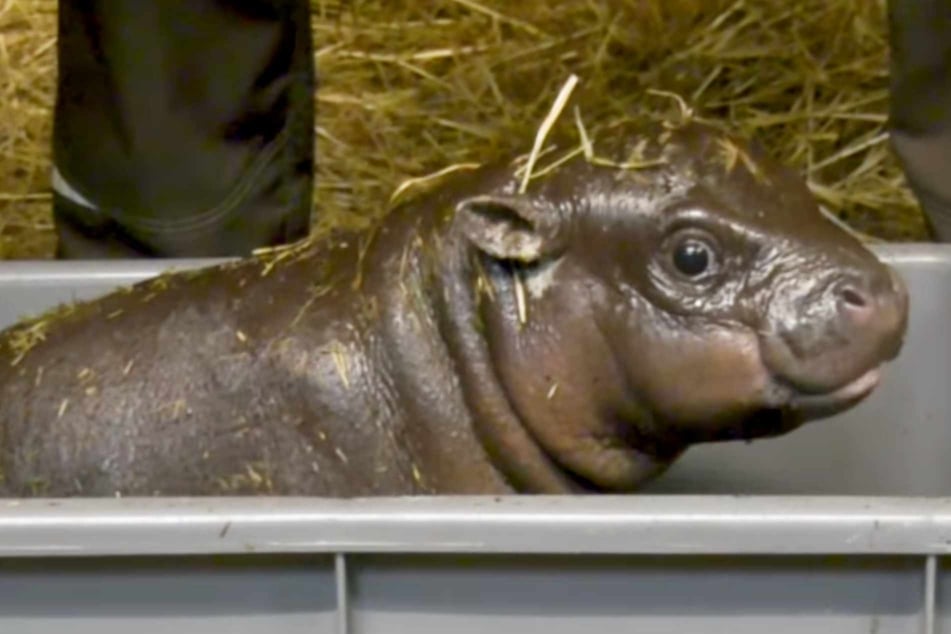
[700, 300]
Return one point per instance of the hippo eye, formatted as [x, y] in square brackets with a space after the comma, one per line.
[693, 257]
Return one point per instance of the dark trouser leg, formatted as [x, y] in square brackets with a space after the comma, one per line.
[920, 35]
[183, 128]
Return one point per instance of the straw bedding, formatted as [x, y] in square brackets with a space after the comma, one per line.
[408, 88]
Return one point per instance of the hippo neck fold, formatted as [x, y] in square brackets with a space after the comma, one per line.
[510, 445]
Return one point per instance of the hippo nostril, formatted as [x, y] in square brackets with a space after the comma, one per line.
[855, 303]
[853, 298]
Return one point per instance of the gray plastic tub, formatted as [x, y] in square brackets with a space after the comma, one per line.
[838, 527]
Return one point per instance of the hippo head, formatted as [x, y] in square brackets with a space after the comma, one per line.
[695, 294]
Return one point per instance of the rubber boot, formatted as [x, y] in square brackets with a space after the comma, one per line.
[183, 128]
[920, 117]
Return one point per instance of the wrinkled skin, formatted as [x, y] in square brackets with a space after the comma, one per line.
[699, 300]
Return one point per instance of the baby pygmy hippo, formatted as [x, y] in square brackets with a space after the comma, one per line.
[574, 336]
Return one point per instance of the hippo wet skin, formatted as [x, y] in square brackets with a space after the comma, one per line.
[577, 337]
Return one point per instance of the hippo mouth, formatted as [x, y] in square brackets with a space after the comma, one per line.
[812, 406]
[797, 408]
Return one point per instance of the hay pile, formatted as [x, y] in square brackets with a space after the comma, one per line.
[409, 87]
[27, 83]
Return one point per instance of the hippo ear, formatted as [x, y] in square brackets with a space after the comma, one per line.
[509, 228]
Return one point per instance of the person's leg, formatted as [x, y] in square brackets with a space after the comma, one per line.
[183, 128]
[920, 118]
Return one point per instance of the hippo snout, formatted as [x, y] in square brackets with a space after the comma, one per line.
[828, 335]
[874, 310]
